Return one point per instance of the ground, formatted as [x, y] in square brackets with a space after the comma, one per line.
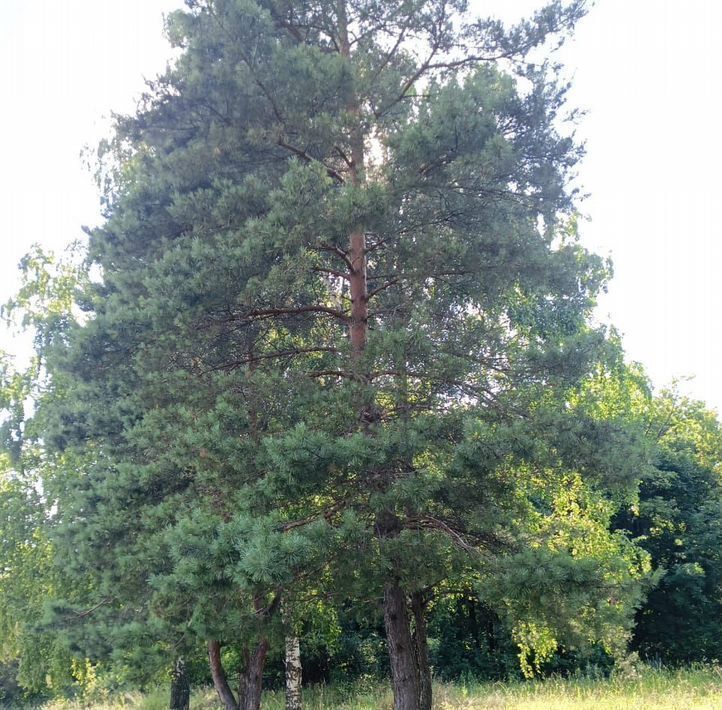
[698, 688]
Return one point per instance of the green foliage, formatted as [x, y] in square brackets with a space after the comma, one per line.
[38, 661]
[219, 426]
[577, 585]
[468, 640]
[679, 522]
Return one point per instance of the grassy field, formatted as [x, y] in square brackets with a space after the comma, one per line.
[697, 688]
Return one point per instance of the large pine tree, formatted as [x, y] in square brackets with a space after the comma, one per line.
[339, 316]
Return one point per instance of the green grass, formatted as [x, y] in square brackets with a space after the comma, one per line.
[698, 688]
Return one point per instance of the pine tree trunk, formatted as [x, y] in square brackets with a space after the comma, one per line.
[180, 689]
[251, 682]
[402, 652]
[404, 666]
[294, 700]
[357, 276]
[225, 694]
[421, 647]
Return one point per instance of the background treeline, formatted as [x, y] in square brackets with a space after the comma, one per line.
[325, 388]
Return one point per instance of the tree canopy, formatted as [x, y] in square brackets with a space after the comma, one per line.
[332, 347]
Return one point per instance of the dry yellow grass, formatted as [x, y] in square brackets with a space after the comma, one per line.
[698, 688]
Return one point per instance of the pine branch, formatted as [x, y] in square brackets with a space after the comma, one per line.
[263, 313]
[332, 272]
[381, 288]
[323, 246]
[309, 159]
[326, 513]
[88, 612]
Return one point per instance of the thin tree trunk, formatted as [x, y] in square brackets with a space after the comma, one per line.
[358, 325]
[180, 689]
[251, 685]
[359, 292]
[418, 607]
[294, 700]
[220, 682]
[402, 653]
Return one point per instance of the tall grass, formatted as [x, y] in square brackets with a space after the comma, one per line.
[696, 688]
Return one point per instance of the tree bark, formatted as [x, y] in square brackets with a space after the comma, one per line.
[180, 689]
[251, 684]
[358, 324]
[359, 293]
[402, 653]
[421, 647]
[220, 682]
[294, 671]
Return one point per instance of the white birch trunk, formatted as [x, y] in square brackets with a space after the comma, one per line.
[294, 700]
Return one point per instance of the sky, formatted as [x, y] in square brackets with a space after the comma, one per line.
[647, 72]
